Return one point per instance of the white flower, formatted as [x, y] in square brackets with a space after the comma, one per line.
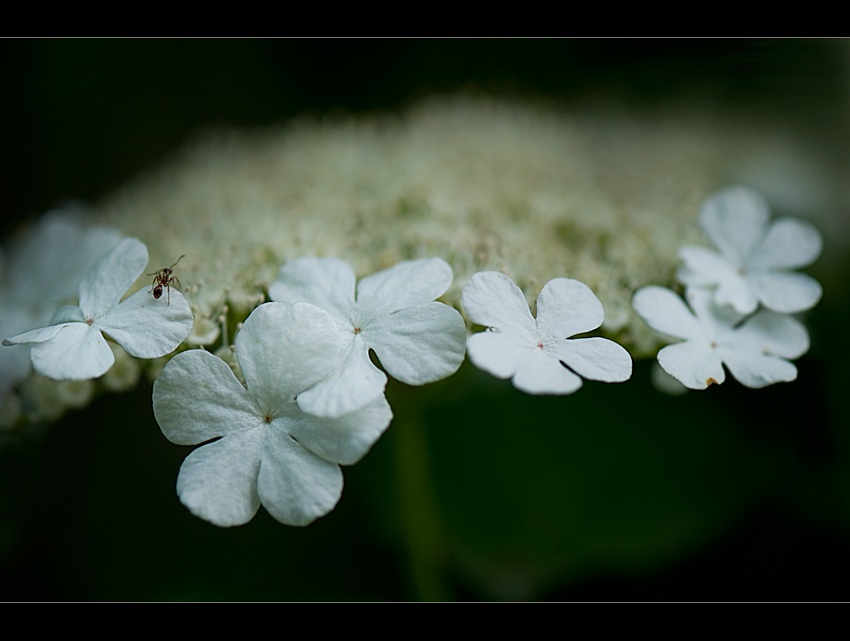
[417, 339]
[536, 354]
[73, 346]
[271, 452]
[40, 271]
[755, 352]
[754, 260]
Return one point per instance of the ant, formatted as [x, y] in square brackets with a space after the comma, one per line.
[163, 278]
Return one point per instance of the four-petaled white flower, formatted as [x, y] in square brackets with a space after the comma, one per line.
[417, 339]
[755, 352]
[40, 271]
[271, 451]
[73, 346]
[755, 260]
[536, 354]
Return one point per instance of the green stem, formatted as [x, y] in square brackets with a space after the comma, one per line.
[423, 529]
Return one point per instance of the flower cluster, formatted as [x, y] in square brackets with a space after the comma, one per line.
[724, 291]
[269, 450]
[303, 397]
[298, 394]
[312, 400]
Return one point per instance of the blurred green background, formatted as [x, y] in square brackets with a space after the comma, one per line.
[476, 492]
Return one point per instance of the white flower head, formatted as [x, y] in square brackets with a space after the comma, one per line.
[73, 346]
[270, 452]
[756, 352]
[535, 354]
[755, 260]
[417, 339]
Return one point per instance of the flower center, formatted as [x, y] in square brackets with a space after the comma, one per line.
[268, 419]
[540, 345]
[89, 321]
[356, 330]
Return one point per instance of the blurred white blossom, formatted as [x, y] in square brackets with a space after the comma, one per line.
[755, 260]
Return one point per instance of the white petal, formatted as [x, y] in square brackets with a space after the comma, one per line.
[78, 352]
[355, 384]
[757, 370]
[786, 292]
[148, 327]
[420, 344]
[770, 333]
[736, 290]
[596, 358]
[218, 481]
[703, 267]
[735, 220]
[408, 283]
[344, 440]
[40, 335]
[104, 285]
[284, 349]
[567, 307]
[666, 312]
[539, 373]
[789, 244]
[693, 363]
[295, 485]
[325, 282]
[713, 318]
[196, 398]
[498, 353]
[493, 300]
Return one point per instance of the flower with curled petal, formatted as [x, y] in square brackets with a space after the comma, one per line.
[756, 352]
[73, 346]
[39, 271]
[536, 354]
[417, 339]
[755, 260]
[269, 451]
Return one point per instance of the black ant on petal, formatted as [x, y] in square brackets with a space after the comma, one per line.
[163, 278]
